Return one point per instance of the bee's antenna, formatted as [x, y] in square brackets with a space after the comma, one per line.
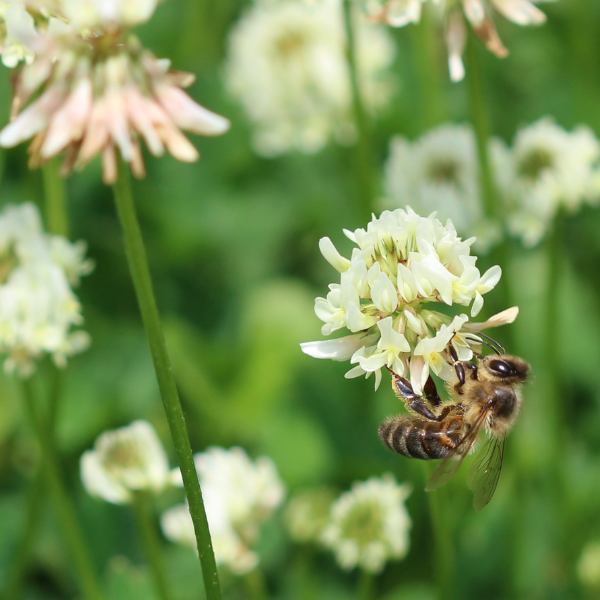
[493, 341]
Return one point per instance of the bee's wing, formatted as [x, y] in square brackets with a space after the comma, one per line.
[448, 466]
[485, 472]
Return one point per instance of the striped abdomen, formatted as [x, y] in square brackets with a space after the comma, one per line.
[415, 437]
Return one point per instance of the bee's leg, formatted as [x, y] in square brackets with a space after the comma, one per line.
[430, 392]
[404, 390]
[461, 367]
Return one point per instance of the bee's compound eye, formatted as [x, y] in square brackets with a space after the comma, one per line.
[500, 367]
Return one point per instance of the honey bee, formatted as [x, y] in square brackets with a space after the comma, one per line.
[485, 396]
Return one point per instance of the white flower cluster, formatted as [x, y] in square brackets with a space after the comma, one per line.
[546, 170]
[402, 263]
[92, 88]
[124, 461]
[239, 495]
[454, 13]
[37, 305]
[287, 65]
[369, 524]
[439, 172]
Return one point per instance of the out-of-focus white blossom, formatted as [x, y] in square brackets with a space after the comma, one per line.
[307, 514]
[546, 170]
[38, 308]
[369, 524]
[124, 461]
[103, 14]
[479, 14]
[16, 24]
[287, 65]
[239, 495]
[96, 90]
[403, 262]
[439, 172]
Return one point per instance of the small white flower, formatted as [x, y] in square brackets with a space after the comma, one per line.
[239, 495]
[286, 64]
[369, 525]
[403, 263]
[439, 172]
[125, 461]
[38, 308]
[546, 170]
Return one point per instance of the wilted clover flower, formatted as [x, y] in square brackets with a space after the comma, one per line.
[369, 525]
[38, 308]
[307, 514]
[439, 172]
[124, 461]
[478, 13]
[547, 170]
[239, 495]
[98, 90]
[287, 65]
[403, 263]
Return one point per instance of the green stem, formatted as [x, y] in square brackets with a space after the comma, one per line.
[150, 541]
[22, 556]
[362, 153]
[366, 586]
[444, 549]
[429, 103]
[62, 504]
[57, 219]
[481, 123]
[140, 273]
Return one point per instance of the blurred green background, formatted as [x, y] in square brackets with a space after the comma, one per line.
[233, 246]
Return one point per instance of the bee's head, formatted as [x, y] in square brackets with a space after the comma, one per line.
[503, 368]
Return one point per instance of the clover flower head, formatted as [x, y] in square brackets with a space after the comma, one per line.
[548, 169]
[38, 308]
[369, 525]
[403, 263]
[286, 63]
[479, 14]
[125, 461]
[307, 514]
[439, 172]
[97, 90]
[239, 495]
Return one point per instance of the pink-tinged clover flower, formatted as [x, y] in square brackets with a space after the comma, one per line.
[98, 90]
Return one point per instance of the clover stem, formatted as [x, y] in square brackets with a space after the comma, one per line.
[363, 167]
[140, 274]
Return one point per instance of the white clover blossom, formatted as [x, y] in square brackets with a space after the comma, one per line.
[403, 264]
[286, 63]
[369, 525]
[439, 172]
[547, 169]
[124, 461]
[479, 14]
[239, 495]
[38, 308]
[97, 90]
